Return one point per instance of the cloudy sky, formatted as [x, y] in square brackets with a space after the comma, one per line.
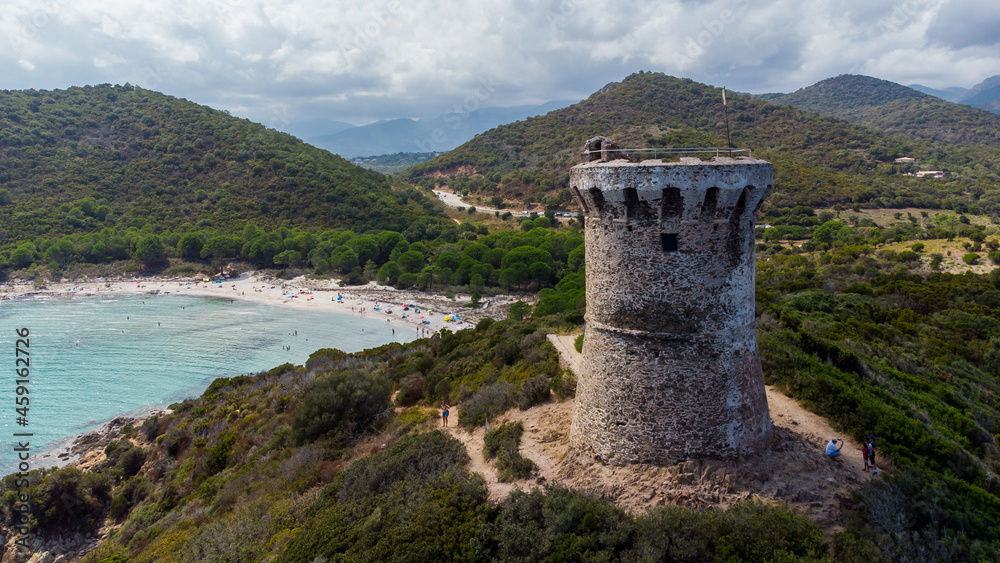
[287, 62]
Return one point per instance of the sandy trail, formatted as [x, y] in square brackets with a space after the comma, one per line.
[795, 470]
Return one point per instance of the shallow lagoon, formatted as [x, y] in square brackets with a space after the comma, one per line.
[93, 358]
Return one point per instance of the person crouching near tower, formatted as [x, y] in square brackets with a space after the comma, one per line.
[833, 449]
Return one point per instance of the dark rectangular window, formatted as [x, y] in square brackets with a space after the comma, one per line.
[669, 241]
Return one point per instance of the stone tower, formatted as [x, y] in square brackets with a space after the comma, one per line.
[670, 362]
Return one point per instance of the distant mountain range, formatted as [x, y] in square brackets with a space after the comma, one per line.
[437, 134]
[900, 110]
[985, 95]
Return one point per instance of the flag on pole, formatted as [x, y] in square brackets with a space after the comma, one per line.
[723, 95]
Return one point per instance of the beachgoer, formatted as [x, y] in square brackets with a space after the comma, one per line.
[444, 413]
[864, 455]
[832, 449]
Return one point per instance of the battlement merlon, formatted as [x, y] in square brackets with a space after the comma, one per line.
[692, 189]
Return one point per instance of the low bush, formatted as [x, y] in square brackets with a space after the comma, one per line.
[564, 384]
[504, 444]
[744, 532]
[340, 406]
[423, 456]
[534, 391]
[489, 400]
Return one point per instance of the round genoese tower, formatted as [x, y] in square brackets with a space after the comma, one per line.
[670, 368]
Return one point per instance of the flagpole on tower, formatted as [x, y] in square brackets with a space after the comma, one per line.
[725, 109]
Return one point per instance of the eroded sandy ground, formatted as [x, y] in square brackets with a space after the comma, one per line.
[795, 470]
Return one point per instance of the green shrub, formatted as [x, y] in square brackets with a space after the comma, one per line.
[744, 532]
[578, 343]
[218, 454]
[340, 406]
[504, 444]
[324, 358]
[564, 384]
[489, 400]
[414, 416]
[130, 462]
[534, 391]
[971, 258]
[66, 500]
[555, 525]
[422, 456]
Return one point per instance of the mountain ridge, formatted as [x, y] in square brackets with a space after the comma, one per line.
[819, 160]
[436, 134]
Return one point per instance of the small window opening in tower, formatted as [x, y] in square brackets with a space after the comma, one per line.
[598, 196]
[669, 242]
[708, 207]
[631, 202]
[672, 202]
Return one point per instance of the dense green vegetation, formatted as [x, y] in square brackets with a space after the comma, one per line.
[890, 108]
[846, 92]
[868, 339]
[855, 333]
[819, 161]
[95, 170]
[228, 476]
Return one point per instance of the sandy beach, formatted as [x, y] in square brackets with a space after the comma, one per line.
[426, 313]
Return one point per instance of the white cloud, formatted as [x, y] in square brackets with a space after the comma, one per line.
[108, 60]
[362, 60]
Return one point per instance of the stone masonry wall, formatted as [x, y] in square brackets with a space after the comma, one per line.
[670, 363]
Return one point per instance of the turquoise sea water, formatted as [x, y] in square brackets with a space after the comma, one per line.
[93, 358]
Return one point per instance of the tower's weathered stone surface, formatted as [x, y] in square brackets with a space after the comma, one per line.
[670, 362]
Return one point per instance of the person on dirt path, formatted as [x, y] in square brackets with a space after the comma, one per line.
[832, 449]
[444, 414]
[864, 454]
[871, 454]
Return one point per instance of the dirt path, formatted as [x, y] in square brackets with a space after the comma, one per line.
[795, 470]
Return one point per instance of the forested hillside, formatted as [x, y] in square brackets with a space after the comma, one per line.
[818, 160]
[898, 110]
[108, 163]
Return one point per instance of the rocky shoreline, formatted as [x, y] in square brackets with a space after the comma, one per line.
[83, 451]
[87, 449]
